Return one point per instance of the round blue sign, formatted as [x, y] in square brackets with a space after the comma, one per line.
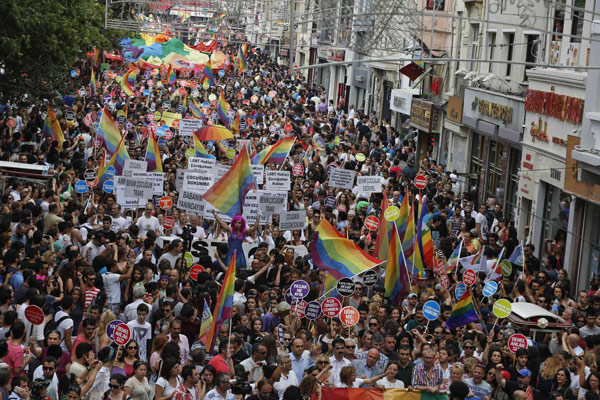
[268, 98]
[109, 186]
[146, 92]
[110, 171]
[221, 73]
[299, 289]
[110, 328]
[156, 201]
[81, 187]
[431, 310]
[160, 131]
[206, 104]
[460, 290]
[330, 201]
[74, 74]
[312, 310]
[490, 288]
[291, 300]
[106, 99]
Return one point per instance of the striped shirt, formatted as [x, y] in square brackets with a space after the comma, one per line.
[420, 377]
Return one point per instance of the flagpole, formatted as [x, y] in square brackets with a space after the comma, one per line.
[478, 312]
[354, 276]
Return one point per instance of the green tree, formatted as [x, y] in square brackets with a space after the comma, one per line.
[40, 41]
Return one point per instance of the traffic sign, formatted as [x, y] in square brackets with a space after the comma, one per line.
[516, 342]
[469, 277]
[34, 314]
[168, 222]
[420, 182]
[122, 334]
[372, 222]
[166, 203]
[349, 316]
[195, 271]
[331, 307]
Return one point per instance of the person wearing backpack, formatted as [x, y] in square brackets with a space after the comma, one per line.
[62, 322]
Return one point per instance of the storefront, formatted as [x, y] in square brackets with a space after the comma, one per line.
[495, 121]
[400, 105]
[427, 119]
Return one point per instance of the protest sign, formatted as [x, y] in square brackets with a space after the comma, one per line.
[368, 184]
[187, 127]
[197, 182]
[272, 202]
[341, 178]
[278, 180]
[201, 164]
[139, 188]
[192, 202]
[291, 220]
[134, 165]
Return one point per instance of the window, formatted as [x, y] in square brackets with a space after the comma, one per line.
[530, 52]
[492, 48]
[510, 44]
[474, 44]
[476, 159]
[513, 183]
[577, 23]
[495, 164]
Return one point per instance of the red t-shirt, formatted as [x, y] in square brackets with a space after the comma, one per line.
[14, 359]
[219, 363]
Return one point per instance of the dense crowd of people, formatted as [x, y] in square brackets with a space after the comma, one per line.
[86, 260]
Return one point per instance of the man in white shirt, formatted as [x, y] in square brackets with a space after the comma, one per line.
[118, 221]
[94, 247]
[481, 224]
[131, 309]
[112, 283]
[148, 222]
[141, 331]
[48, 371]
[288, 377]
[338, 361]
[174, 252]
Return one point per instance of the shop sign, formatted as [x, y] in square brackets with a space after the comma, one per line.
[424, 116]
[336, 55]
[559, 106]
[494, 110]
[526, 183]
[455, 109]
[401, 101]
[504, 111]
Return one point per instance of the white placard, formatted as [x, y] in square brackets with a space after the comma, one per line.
[208, 213]
[157, 177]
[201, 164]
[251, 208]
[197, 182]
[134, 165]
[179, 178]
[191, 202]
[341, 178]
[187, 127]
[272, 202]
[139, 188]
[259, 173]
[202, 247]
[220, 170]
[291, 220]
[368, 184]
[278, 180]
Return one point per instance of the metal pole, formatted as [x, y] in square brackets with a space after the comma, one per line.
[291, 67]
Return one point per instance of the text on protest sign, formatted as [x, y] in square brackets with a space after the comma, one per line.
[157, 178]
[272, 202]
[140, 188]
[191, 202]
[201, 164]
[131, 166]
[251, 208]
[368, 184]
[197, 182]
[292, 220]
[341, 178]
[259, 173]
[187, 127]
[278, 180]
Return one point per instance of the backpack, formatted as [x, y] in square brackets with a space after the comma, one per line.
[53, 325]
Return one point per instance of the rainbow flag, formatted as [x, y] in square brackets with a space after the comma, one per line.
[153, 155]
[184, 103]
[397, 282]
[117, 160]
[171, 77]
[109, 132]
[276, 153]
[382, 241]
[229, 193]
[473, 262]
[243, 63]
[235, 126]
[463, 312]
[245, 49]
[222, 107]
[339, 256]
[424, 237]
[209, 75]
[496, 272]
[402, 220]
[452, 262]
[206, 320]
[224, 306]
[128, 82]
[199, 148]
[378, 394]
[93, 88]
[408, 241]
[196, 110]
[52, 128]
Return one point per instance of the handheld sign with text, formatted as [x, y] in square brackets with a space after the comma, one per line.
[122, 334]
[469, 277]
[89, 175]
[330, 201]
[490, 289]
[516, 342]
[346, 287]
[431, 310]
[331, 307]
[168, 222]
[372, 222]
[360, 157]
[166, 203]
[34, 314]
[502, 308]
[81, 187]
[506, 267]
[110, 328]
[349, 316]
[280, 333]
[312, 310]
[298, 169]
[420, 182]
[460, 290]
[370, 278]
[299, 309]
[291, 300]
[391, 213]
[109, 186]
[195, 271]
[299, 289]
[444, 281]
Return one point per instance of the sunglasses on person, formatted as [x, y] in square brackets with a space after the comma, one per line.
[132, 348]
[114, 386]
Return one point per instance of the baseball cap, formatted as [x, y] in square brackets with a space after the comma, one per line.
[524, 372]
[412, 295]
[506, 375]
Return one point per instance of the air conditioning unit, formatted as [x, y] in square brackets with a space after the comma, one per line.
[360, 78]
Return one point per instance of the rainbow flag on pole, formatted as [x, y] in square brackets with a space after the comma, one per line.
[222, 107]
[128, 82]
[424, 237]
[171, 77]
[206, 320]
[209, 75]
[276, 153]
[243, 63]
[397, 282]
[382, 241]
[52, 128]
[109, 132]
[339, 256]
[199, 147]
[408, 241]
[93, 88]
[196, 110]
[224, 306]
[117, 160]
[452, 262]
[153, 155]
[463, 312]
[229, 193]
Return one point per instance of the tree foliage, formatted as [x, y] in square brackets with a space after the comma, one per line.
[40, 41]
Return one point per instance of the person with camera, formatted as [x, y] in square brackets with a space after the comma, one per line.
[223, 389]
[254, 364]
